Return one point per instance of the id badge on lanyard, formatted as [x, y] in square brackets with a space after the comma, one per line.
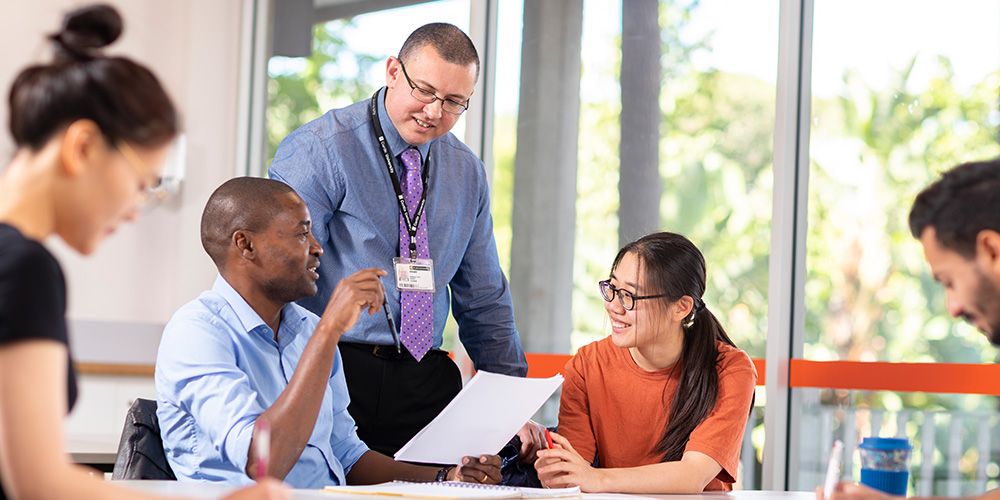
[412, 274]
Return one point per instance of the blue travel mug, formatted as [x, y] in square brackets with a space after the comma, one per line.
[885, 464]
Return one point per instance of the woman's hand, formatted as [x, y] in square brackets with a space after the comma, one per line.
[562, 467]
[484, 470]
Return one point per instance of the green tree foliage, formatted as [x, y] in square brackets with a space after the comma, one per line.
[715, 163]
[869, 293]
[300, 90]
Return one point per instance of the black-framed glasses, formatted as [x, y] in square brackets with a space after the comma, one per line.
[625, 298]
[427, 97]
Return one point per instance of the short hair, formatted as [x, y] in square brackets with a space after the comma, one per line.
[963, 202]
[246, 203]
[124, 98]
[448, 40]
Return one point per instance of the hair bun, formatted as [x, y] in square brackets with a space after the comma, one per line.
[87, 30]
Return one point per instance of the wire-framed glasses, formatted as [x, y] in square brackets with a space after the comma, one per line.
[428, 97]
[150, 192]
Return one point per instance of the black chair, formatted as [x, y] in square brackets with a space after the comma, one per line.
[140, 452]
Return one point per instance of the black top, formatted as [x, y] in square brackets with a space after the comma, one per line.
[32, 299]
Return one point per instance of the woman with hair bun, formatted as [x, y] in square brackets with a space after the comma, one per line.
[92, 132]
[661, 404]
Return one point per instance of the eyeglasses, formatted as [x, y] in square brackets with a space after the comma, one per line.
[428, 97]
[149, 193]
[625, 298]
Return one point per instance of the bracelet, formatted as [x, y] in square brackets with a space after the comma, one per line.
[442, 474]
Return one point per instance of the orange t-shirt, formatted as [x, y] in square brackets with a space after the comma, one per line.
[613, 409]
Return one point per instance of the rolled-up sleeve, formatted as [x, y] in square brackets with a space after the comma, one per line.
[344, 440]
[482, 303]
[197, 372]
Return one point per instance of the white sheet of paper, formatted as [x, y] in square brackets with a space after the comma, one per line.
[488, 412]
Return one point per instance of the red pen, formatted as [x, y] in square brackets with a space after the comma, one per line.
[548, 439]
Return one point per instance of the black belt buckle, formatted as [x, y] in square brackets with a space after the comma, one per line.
[388, 352]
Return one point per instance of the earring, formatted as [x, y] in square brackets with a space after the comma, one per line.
[689, 321]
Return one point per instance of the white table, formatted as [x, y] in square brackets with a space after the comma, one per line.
[93, 451]
[213, 490]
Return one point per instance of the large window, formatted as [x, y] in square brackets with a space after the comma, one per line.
[714, 164]
[888, 114]
[713, 155]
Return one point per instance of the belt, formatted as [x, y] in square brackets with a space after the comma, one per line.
[388, 351]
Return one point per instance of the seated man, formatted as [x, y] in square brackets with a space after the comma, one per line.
[244, 351]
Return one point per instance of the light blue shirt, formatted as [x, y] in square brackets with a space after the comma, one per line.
[219, 368]
[336, 166]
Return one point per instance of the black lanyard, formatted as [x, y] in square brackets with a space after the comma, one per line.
[411, 223]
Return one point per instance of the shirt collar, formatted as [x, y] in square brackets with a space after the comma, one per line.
[251, 321]
[396, 143]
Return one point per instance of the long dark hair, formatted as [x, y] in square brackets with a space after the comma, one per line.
[674, 267]
[122, 97]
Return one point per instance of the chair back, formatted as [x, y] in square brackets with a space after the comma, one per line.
[140, 451]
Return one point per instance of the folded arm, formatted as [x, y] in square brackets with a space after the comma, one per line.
[562, 467]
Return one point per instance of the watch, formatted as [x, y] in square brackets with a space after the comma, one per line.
[442, 474]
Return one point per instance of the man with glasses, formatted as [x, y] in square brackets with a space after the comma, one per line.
[390, 187]
[957, 220]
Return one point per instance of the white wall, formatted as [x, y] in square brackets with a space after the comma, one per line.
[147, 270]
[120, 297]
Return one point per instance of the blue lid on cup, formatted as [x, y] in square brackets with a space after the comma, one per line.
[885, 444]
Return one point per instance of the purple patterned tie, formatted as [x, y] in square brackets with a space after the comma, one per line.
[416, 316]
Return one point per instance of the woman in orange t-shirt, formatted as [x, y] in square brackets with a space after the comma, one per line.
[661, 403]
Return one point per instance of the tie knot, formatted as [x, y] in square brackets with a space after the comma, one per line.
[411, 159]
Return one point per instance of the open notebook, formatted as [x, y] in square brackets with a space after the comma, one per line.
[453, 490]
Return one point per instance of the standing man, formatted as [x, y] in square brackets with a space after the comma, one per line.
[390, 187]
[957, 220]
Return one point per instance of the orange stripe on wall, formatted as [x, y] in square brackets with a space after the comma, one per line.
[903, 377]
[952, 378]
[541, 365]
[760, 365]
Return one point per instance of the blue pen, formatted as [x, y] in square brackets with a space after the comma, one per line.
[392, 324]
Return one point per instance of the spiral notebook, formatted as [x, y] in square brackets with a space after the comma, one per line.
[453, 490]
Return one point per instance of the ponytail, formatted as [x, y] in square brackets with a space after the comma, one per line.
[122, 97]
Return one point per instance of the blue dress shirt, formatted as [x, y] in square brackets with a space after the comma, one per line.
[218, 368]
[335, 164]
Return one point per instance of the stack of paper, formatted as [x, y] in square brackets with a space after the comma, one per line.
[453, 491]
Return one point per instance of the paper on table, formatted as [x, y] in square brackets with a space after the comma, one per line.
[454, 491]
[488, 412]
[429, 490]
